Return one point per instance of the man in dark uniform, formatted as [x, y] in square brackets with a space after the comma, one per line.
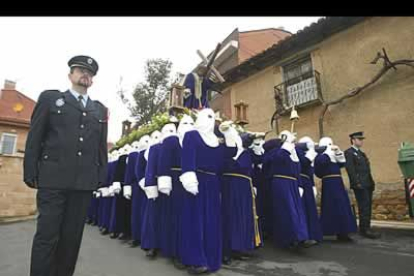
[65, 159]
[361, 181]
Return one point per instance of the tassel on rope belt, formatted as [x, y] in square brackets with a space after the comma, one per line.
[285, 177]
[206, 172]
[305, 176]
[331, 176]
[257, 238]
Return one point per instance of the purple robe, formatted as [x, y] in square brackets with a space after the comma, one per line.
[308, 198]
[149, 228]
[289, 221]
[171, 206]
[201, 218]
[240, 227]
[336, 213]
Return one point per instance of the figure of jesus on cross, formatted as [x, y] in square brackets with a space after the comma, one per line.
[198, 84]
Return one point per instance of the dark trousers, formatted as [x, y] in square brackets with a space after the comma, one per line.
[364, 200]
[60, 225]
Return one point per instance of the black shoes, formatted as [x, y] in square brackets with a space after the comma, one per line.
[308, 243]
[344, 238]
[197, 270]
[104, 231]
[114, 235]
[178, 265]
[134, 243]
[370, 234]
[226, 260]
[151, 254]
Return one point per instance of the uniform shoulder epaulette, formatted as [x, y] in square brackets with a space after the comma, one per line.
[99, 103]
[49, 94]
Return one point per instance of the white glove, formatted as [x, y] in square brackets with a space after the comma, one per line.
[116, 187]
[255, 191]
[301, 191]
[330, 152]
[190, 182]
[315, 191]
[311, 155]
[151, 192]
[230, 133]
[339, 156]
[165, 184]
[127, 191]
[104, 191]
[141, 183]
[96, 194]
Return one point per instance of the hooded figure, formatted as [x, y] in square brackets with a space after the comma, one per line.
[149, 230]
[197, 88]
[202, 162]
[307, 154]
[135, 193]
[289, 221]
[336, 213]
[104, 213]
[254, 144]
[239, 218]
[121, 207]
[270, 148]
[171, 191]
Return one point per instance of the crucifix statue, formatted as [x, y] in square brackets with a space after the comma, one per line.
[198, 84]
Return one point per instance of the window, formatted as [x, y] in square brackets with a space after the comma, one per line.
[300, 82]
[8, 143]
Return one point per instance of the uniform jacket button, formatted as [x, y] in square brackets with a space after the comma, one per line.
[81, 139]
[79, 153]
[84, 113]
[82, 126]
[45, 157]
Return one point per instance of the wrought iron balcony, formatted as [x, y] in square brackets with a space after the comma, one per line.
[300, 91]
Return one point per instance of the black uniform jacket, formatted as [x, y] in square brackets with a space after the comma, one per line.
[66, 147]
[359, 170]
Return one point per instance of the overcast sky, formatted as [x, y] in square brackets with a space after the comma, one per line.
[35, 50]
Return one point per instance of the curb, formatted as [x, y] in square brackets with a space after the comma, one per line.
[409, 225]
[10, 220]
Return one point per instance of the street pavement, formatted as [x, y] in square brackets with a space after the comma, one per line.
[392, 255]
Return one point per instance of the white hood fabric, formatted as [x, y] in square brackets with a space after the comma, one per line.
[186, 125]
[168, 130]
[289, 144]
[155, 139]
[205, 126]
[335, 156]
[144, 142]
[311, 153]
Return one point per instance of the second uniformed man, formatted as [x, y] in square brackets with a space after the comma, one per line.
[361, 181]
[65, 159]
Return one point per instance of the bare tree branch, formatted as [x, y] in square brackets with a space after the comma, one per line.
[387, 65]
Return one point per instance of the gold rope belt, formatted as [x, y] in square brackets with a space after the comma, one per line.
[176, 169]
[331, 176]
[238, 175]
[205, 172]
[257, 238]
[305, 175]
[285, 176]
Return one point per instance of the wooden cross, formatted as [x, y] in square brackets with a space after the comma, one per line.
[209, 63]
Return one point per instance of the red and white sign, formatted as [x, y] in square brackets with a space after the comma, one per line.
[411, 187]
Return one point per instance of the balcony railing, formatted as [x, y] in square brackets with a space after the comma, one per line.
[302, 90]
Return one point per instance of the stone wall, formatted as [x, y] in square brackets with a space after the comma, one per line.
[384, 111]
[16, 199]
